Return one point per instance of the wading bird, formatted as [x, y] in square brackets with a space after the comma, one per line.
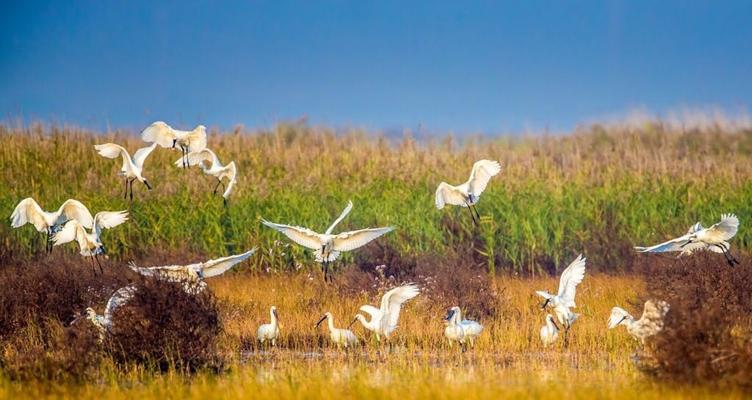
[89, 242]
[167, 137]
[216, 169]
[269, 332]
[327, 246]
[564, 299]
[103, 322]
[340, 337]
[384, 320]
[49, 223]
[193, 275]
[461, 330]
[699, 238]
[649, 324]
[468, 193]
[549, 332]
[132, 167]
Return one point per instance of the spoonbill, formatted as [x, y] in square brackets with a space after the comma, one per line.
[328, 246]
[216, 169]
[549, 332]
[649, 324]
[564, 299]
[89, 242]
[269, 332]
[132, 168]
[103, 322]
[468, 193]
[167, 137]
[49, 222]
[699, 238]
[461, 330]
[340, 337]
[384, 320]
[193, 275]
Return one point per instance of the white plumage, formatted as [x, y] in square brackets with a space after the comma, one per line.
[269, 332]
[216, 169]
[132, 168]
[461, 330]
[549, 333]
[50, 222]
[564, 299]
[340, 337]
[649, 324]
[90, 243]
[103, 322]
[468, 193]
[167, 137]
[384, 320]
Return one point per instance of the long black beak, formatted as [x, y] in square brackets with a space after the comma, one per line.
[553, 321]
[275, 314]
[148, 186]
[621, 320]
[351, 323]
[320, 321]
[545, 303]
[449, 315]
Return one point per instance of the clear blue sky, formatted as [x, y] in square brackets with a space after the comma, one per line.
[444, 65]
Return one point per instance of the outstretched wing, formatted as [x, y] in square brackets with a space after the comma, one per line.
[112, 150]
[140, 155]
[156, 271]
[73, 209]
[392, 301]
[617, 315]
[677, 244]
[347, 241]
[482, 172]
[72, 230]
[28, 211]
[109, 219]
[196, 139]
[655, 310]
[339, 219]
[219, 266]
[233, 172]
[160, 133]
[448, 194]
[724, 230]
[570, 278]
[120, 297]
[302, 236]
[371, 310]
[197, 157]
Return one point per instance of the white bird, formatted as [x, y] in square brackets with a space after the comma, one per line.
[649, 324]
[89, 242]
[564, 299]
[133, 167]
[328, 246]
[549, 333]
[167, 137]
[340, 337]
[49, 222]
[269, 332]
[103, 322]
[468, 193]
[699, 238]
[216, 169]
[461, 330]
[384, 320]
[193, 275]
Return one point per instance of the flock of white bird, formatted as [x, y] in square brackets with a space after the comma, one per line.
[72, 221]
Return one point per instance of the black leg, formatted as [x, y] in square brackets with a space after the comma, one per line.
[476, 212]
[471, 213]
[131, 185]
[96, 257]
[125, 195]
[217, 186]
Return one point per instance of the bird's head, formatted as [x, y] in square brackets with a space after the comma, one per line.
[90, 313]
[450, 313]
[274, 312]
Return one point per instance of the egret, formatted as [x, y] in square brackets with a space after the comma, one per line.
[649, 324]
[103, 322]
[699, 238]
[269, 332]
[384, 320]
[132, 168]
[468, 193]
[461, 330]
[89, 242]
[564, 299]
[549, 332]
[49, 222]
[340, 337]
[216, 170]
[328, 246]
[167, 137]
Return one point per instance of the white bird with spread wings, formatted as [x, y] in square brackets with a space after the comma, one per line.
[216, 169]
[468, 193]
[90, 242]
[103, 322]
[649, 324]
[49, 222]
[133, 167]
[384, 320]
[563, 300]
[167, 137]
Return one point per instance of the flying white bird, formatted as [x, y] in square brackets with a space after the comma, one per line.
[340, 337]
[384, 320]
[699, 238]
[193, 275]
[461, 330]
[167, 137]
[89, 242]
[103, 323]
[549, 332]
[132, 168]
[564, 299]
[468, 193]
[269, 332]
[649, 324]
[327, 246]
[49, 222]
[216, 169]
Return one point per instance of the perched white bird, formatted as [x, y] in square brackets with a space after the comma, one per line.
[49, 223]
[167, 137]
[699, 238]
[549, 332]
[103, 323]
[328, 246]
[564, 299]
[384, 320]
[468, 193]
[216, 169]
[89, 242]
[193, 275]
[269, 332]
[132, 168]
[649, 324]
[461, 330]
[340, 337]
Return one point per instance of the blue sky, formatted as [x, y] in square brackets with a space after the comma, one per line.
[444, 65]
